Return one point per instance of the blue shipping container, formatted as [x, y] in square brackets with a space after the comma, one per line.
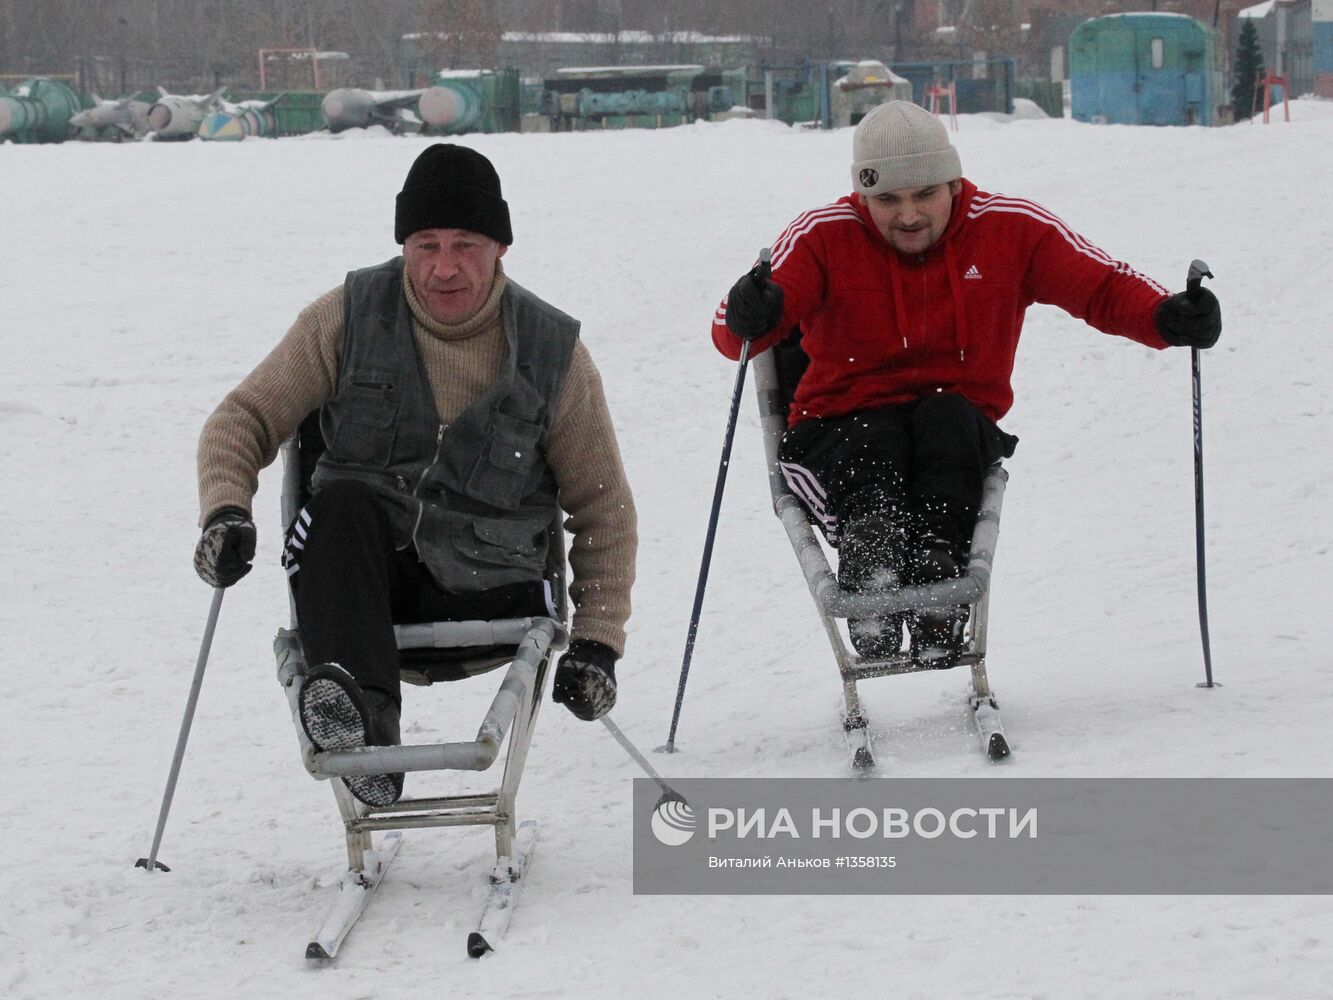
[1145, 69]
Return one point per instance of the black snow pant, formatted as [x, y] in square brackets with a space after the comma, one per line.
[926, 458]
[351, 586]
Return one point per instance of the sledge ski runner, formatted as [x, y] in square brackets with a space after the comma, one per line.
[909, 294]
[459, 410]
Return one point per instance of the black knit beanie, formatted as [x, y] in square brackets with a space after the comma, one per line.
[452, 187]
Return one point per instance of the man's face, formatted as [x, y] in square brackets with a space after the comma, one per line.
[913, 219]
[451, 271]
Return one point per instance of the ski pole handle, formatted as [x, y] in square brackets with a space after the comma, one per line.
[1194, 281]
[765, 269]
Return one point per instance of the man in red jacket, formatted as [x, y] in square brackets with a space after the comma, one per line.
[910, 294]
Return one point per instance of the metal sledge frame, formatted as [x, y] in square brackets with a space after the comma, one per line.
[833, 603]
[513, 711]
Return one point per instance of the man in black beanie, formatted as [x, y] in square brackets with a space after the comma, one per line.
[459, 412]
[452, 188]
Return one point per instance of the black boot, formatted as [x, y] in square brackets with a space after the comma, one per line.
[336, 715]
[384, 718]
[871, 556]
[937, 634]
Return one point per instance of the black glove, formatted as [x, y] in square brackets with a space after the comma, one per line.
[585, 680]
[1190, 322]
[226, 547]
[754, 304]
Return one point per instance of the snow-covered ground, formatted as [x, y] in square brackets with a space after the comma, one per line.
[142, 281]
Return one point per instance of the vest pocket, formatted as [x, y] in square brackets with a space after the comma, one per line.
[366, 412]
[507, 459]
[497, 542]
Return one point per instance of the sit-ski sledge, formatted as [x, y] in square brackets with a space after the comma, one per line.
[776, 372]
[431, 652]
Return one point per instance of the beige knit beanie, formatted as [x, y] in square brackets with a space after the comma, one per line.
[901, 145]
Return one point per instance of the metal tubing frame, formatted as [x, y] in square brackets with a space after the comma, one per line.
[833, 603]
[513, 710]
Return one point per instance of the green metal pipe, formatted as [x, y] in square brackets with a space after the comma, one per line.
[38, 110]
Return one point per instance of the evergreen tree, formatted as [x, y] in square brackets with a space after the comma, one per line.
[1249, 67]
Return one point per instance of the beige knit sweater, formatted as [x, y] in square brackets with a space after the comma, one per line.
[244, 433]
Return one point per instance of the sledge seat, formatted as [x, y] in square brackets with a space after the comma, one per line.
[427, 653]
[776, 374]
[432, 652]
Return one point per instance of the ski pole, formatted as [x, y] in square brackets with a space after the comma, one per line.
[1193, 284]
[151, 863]
[764, 270]
[639, 758]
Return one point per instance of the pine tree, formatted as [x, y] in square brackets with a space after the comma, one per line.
[1249, 68]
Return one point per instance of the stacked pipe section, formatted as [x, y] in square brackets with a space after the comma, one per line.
[450, 107]
[38, 110]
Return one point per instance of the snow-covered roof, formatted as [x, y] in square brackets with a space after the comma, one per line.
[870, 71]
[628, 38]
[1259, 10]
[1149, 13]
[304, 54]
[578, 37]
[630, 70]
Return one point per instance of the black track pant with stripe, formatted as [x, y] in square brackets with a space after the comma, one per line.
[927, 457]
[352, 586]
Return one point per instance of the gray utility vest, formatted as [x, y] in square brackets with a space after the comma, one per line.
[477, 496]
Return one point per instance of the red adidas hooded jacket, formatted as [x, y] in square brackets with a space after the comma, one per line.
[883, 328]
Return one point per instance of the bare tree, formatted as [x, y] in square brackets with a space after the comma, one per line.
[460, 33]
[990, 26]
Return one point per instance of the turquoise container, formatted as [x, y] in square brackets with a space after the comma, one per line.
[1145, 69]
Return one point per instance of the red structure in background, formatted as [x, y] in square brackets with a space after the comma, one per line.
[1266, 84]
[938, 90]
